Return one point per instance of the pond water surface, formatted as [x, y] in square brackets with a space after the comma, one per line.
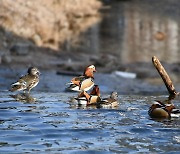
[49, 122]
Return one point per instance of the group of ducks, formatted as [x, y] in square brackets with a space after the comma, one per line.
[84, 83]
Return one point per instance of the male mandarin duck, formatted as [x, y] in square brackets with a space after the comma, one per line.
[88, 99]
[160, 110]
[110, 102]
[84, 82]
[28, 81]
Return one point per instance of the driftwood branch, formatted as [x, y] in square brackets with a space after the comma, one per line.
[168, 82]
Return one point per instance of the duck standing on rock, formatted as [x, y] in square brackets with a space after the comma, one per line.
[110, 102]
[84, 82]
[161, 110]
[89, 99]
[28, 81]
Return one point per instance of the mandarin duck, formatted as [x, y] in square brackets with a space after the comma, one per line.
[110, 102]
[88, 99]
[161, 110]
[28, 81]
[84, 82]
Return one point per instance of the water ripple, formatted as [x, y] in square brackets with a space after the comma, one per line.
[52, 125]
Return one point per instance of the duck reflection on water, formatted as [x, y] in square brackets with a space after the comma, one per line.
[24, 97]
[111, 102]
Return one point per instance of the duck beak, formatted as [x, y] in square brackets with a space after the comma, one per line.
[38, 73]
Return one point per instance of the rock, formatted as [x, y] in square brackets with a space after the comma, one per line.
[37, 39]
[6, 59]
[19, 49]
[47, 23]
[125, 74]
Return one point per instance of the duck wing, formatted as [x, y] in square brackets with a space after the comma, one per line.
[86, 84]
[77, 80]
[22, 84]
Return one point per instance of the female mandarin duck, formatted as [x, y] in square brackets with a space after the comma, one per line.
[110, 102]
[85, 82]
[160, 110]
[28, 81]
[88, 99]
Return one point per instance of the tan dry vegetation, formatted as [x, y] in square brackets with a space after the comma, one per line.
[47, 23]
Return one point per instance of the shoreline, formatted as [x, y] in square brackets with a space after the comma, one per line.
[50, 81]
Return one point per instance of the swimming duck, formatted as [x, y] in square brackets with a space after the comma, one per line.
[28, 81]
[88, 99]
[110, 102]
[84, 82]
[161, 110]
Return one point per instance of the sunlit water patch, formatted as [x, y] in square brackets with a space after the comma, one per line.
[51, 123]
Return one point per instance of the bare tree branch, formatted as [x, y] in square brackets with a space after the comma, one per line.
[165, 77]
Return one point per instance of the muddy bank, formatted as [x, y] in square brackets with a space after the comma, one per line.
[50, 81]
[34, 32]
[53, 66]
[40, 33]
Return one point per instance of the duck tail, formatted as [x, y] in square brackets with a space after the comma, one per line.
[17, 86]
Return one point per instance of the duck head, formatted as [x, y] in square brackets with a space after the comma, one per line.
[114, 95]
[89, 71]
[33, 71]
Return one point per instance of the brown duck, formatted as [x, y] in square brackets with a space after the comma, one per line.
[28, 81]
[161, 110]
[110, 102]
[84, 82]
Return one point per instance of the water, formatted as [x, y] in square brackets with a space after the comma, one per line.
[49, 122]
[134, 31]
